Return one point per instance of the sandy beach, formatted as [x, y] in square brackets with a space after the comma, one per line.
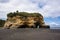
[29, 34]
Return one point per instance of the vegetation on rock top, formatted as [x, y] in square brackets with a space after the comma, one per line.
[24, 14]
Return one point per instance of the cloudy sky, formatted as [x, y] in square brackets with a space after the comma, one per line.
[50, 9]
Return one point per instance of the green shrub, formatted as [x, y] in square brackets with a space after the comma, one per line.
[2, 22]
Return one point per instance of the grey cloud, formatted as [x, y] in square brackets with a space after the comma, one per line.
[4, 1]
[41, 5]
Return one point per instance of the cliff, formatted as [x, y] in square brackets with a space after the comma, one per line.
[24, 19]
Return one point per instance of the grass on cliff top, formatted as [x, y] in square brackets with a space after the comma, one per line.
[25, 14]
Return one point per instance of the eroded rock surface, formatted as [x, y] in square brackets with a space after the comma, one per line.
[24, 19]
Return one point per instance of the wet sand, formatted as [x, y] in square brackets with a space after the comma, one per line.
[29, 34]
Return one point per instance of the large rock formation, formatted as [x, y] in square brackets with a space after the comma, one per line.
[24, 19]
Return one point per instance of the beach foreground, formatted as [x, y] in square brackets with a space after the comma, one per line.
[29, 34]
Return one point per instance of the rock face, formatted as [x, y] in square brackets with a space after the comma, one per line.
[24, 19]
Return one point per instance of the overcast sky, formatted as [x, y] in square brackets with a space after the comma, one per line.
[50, 9]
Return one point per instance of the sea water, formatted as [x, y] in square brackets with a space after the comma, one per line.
[54, 27]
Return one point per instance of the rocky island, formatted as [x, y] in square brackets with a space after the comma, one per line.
[24, 20]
